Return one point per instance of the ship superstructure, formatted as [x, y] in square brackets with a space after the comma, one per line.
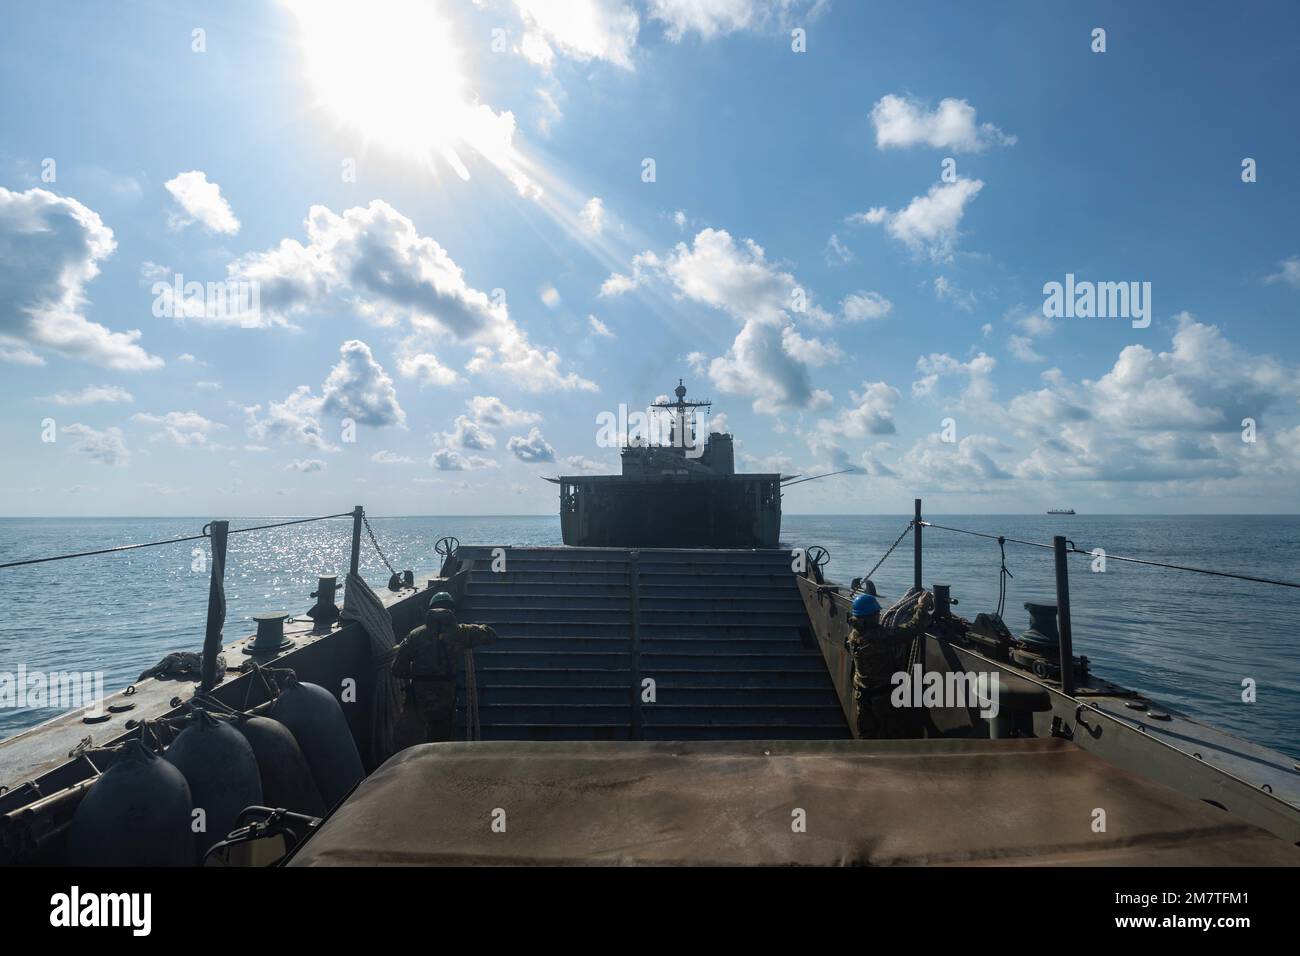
[682, 493]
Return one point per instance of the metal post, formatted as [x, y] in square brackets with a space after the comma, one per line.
[357, 514]
[916, 549]
[1063, 615]
[216, 607]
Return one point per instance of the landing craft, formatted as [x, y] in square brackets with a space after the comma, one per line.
[692, 665]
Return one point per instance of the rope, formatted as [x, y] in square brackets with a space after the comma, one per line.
[154, 544]
[867, 577]
[1003, 575]
[473, 729]
[1071, 549]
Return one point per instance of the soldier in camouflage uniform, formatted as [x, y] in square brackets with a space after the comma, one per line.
[879, 652]
[426, 660]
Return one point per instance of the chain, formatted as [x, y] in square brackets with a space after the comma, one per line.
[867, 577]
[378, 550]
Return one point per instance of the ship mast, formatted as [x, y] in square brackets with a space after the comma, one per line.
[678, 409]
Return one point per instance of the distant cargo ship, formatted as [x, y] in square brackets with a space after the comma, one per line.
[1061, 511]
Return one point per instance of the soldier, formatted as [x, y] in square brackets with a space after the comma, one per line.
[427, 661]
[879, 652]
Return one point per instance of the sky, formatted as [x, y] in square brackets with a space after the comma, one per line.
[286, 257]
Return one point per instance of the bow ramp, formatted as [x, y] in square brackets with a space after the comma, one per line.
[620, 644]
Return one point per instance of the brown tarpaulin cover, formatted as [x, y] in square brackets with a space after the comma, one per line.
[1027, 801]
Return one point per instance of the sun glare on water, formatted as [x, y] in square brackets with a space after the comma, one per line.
[389, 71]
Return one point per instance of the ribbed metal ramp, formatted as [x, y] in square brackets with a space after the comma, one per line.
[722, 635]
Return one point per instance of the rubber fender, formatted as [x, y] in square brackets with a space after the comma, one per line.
[315, 718]
[221, 769]
[287, 779]
[136, 814]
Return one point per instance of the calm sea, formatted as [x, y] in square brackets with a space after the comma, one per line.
[1187, 640]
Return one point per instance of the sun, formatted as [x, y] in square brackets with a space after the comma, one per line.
[389, 71]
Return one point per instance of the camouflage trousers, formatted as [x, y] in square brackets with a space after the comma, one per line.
[879, 719]
[432, 704]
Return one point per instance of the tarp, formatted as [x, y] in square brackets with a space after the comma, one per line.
[889, 802]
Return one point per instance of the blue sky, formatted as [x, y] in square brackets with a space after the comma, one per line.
[444, 210]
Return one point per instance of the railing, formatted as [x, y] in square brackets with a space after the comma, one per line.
[218, 531]
[1061, 548]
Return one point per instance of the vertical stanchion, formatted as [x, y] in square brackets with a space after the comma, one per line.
[357, 514]
[916, 547]
[216, 607]
[1063, 615]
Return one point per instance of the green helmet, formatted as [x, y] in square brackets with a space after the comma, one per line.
[442, 599]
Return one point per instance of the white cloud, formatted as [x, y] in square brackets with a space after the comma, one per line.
[182, 429]
[902, 121]
[836, 252]
[491, 411]
[865, 306]
[769, 359]
[202, 201]
[977, 373]
[305, 465]
[105, 447]
[385, 457]
[715, 18]
[296, 419]
[548, 111]
[360, 389]
[448, 459]
[467, 433]
[945, 291]
[549, 296]
[1022, 347]
[357, 388]
[599, 328]
[872, 413]
[425, 368]
[582, 30]
[531, 448]
[592, 215]
[928, 223]
[90, 395]
[50, 248]
[373, 260]
[1288, 272]
[579, 463]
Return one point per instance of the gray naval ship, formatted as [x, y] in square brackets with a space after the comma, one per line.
[670, 704]
[682, 493]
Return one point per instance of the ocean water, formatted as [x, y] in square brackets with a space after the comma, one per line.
[1187, 640]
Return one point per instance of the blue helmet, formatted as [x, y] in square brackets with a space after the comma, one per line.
[865, 605]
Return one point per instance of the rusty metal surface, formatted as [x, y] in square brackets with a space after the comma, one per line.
[925, 802]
